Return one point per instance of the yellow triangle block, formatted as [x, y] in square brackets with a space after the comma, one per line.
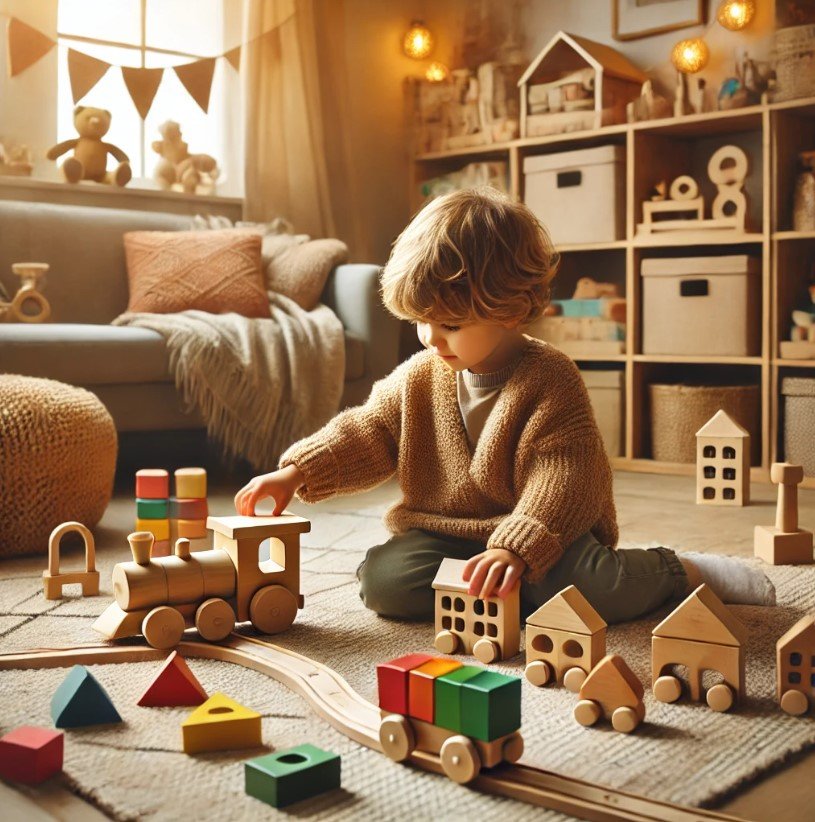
[220, 724]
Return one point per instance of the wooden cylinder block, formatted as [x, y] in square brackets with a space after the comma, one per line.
[218, 571]
[138, 586]
[185, 580]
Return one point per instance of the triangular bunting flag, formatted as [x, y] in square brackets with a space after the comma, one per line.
[80, 700]
[197, 79]
[233, 57]
[174, 685]
[85, 72]
[142, 83]
[220, 724]
[26, 45]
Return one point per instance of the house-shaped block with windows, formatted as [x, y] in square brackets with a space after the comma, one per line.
[722, 462]
[795, 667]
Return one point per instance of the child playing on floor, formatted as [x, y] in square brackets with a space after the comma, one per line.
[491, 436]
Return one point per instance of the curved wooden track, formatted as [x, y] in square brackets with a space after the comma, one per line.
[333, 699]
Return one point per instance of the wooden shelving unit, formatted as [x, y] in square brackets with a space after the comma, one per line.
[772, 135]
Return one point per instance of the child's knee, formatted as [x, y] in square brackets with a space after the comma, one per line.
[384, 590]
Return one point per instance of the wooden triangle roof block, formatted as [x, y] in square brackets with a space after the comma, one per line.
[703, 617]
[721, 424]
[174, 685]
[570, 611]
[612, 681]
[802, 633]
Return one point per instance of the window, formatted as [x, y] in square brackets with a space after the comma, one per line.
[729, 453]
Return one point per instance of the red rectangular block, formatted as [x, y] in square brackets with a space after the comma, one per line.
[152, 483]
[195, 508]
[392, 679]
[31, 755]
[422, 687]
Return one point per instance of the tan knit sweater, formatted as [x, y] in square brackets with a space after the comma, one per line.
[539, 477]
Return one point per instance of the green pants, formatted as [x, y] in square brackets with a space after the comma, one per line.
[396, 577]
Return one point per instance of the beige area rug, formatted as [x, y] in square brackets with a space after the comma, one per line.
[683, 753]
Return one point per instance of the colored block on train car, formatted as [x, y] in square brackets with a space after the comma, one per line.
[159, 528]
[392, 681]
[190, 483]
[490, 705]
[191, 528]
[152, 483]
[31, 755]
[188, 508]
[292, 774]
[152, 508]
[422, 687]
[448, 696]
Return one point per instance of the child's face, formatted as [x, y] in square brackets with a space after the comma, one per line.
[470, 345]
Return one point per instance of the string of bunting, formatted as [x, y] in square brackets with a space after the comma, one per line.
[27, 45]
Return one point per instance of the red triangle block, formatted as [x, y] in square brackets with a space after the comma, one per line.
[174, 685]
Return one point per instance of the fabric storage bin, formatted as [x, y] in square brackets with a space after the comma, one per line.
[799, 422]
[578, 195]
[701, 305]
[606, 394]
[679, 411]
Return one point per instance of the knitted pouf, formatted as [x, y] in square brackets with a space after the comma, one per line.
[57, 460]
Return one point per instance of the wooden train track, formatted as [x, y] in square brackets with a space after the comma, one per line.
[333, 699]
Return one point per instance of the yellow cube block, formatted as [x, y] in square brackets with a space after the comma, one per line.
[191, 483]
[159, 528]
[191, 528]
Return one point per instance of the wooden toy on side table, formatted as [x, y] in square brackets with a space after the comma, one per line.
[53, 579]
[221, 724]
[703, 635]
[292, 774]
[611, 690]
[722, 462]
[488, 628]
[565, 639]
[31, 755]
[785, 543]
[795, 667]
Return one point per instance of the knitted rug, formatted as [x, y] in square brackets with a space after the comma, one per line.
[683, 753]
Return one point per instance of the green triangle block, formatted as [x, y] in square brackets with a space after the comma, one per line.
[80, 700]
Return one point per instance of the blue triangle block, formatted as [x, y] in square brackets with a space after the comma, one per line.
[80, 700]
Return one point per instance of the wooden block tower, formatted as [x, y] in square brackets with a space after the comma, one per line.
[786, 543]
[722, 462]
[188, 508]
[153, 507]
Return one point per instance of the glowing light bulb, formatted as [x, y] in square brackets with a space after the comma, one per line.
[418, 41]
[690, 56]
[437, 72]
[735, 14]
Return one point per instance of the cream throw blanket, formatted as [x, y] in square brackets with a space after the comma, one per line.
[259, 384]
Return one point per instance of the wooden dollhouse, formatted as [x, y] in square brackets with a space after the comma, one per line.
[722, 462]
[795, 667]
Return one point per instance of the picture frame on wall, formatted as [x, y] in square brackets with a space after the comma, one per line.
[633, 19]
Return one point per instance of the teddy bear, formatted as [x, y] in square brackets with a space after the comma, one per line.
[90, 157]
[177, 165]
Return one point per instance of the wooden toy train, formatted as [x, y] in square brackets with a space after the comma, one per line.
[213, 589]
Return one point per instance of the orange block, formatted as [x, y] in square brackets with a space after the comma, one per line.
[192, 528]
[422, 686]
[152, 483]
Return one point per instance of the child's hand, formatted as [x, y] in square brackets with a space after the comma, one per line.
[281, 485]
[495, 571]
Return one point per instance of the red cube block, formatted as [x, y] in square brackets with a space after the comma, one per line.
[392, 679]
[152, 483]
[31, 755]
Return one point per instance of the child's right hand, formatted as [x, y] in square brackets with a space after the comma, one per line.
[281, 485]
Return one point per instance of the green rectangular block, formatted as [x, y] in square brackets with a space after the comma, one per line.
[290, 775]
[152, 508]
[490, 705]
[448, 696]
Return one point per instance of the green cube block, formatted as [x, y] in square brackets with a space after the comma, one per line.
[448, 696]
[290, 775]
[152, 508]
[490, 705]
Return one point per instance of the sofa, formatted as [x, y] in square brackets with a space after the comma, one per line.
[127, 368]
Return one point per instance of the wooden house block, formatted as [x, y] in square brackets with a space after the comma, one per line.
[173, 686]
[613, 691]
[392, 681]
[290, 775]
[31, 755]
[795, 667]
[80, 700]
[190, 483]
[722, 462]
[785, 543]
[489, 628]
[490, 705]
[422, 687]
[565, 639]
[221, 724]
[53, 579]
[152, 483]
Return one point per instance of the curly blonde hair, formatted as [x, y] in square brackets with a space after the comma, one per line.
[472, 255]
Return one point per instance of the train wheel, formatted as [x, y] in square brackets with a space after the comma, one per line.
[624, 720]
[587, 712]
[396, 737]
[667, 689]
[460, 759]
[794, 702]
[539, 672]
[486, 651]
[720, 697]
[573, 679]
[513, 748]
[273, 609]
[214, 619]
[446, 642]
[163, 627]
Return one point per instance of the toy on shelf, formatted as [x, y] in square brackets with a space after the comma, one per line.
[785, 543]
[690, 95]
[31, 755]
[795, 667]
[703, 635]
[747, 86]
[178, 169]
[803, 204]
[292, 774]
[81, 701]
[648, 106]
[29, 295]
[173, 686]
[220, 724]
[613, 691]
[212, 589]
[576, 84]
[722, 462]
[801, 345]
[15, 161]
[489, 629]
[565, 639]
[471, 716]
[53, 579]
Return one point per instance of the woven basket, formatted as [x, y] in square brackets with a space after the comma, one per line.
[794, 62]
[679, 411]
[57, 460]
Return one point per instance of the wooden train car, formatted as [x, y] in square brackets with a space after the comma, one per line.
[210, 590]
[466, 715]
[795, 667]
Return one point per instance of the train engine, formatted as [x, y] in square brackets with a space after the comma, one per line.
[211, 590]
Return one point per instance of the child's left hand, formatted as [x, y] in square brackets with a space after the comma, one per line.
[495, 571]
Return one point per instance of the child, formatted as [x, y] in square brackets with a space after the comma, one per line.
[491, 436]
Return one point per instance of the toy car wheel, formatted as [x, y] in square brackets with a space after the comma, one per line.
[573, 679]
[273, 609]
[513, 748]
[214, 619]
[163, 627]
[446, 642]
[486, 651]
[667, 689]
[396, 737]
[460, 759]
[624, 720]
[539, 672]
[794, 702]
[587, 712]
[720, 697]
